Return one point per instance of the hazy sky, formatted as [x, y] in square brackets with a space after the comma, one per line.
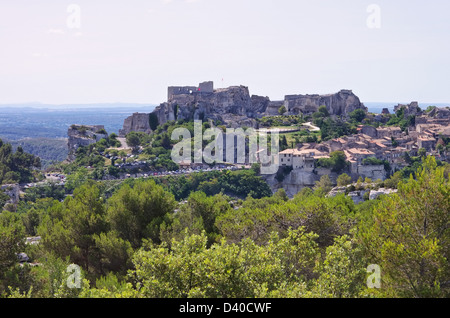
[130, 51]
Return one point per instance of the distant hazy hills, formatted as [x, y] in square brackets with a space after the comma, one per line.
[124, 106]
[50, 121]
[42, 129]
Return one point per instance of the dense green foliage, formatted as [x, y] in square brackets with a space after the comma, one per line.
[337, 162]
[281, 121]
[358, 115]
[16, 167]
[399, 119]
[239, 184]
[331, 129]
[141, 242]
[48, 150]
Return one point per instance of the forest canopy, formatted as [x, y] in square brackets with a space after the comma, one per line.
[18, 166]
[141, 241]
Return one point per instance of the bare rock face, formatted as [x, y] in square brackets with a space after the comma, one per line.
[228, 105]
[292, 183]
[234, 107]
[273, 107]
[258, 107]
[82, 136]
[412, 109]
[339, 104]
[13, 191]
[374, 194]
[439, 113]
[138, 122]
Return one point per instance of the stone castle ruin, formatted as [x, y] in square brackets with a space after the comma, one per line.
[203, 88]
[235, 107]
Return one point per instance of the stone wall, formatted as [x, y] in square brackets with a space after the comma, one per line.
[273, 107]
[206, 87]
[82, 136]
[179, 90]
[137, 122]
[372, 172]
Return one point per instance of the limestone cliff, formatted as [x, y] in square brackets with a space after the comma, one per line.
[298, 179]
[137, 122]
[234, 106]
[228, 105]
[83, 135]
[339, 104]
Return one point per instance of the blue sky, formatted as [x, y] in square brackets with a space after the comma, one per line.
[130, 51]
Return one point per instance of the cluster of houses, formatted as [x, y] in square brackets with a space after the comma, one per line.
[386, 144]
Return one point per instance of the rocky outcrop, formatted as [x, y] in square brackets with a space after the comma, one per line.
[273, 107]
[228, 105]
[374, 194]
[373, 172]
[359, 196]
[412, 109]
[234, 107]
[339, 104]
[294, 182]
[439, 113]
[138, 122]
[13, 191]
[82, 136]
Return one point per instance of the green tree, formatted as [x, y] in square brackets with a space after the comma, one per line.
[153, 121]
[18, 167]
[12, 239]
[133, 140]
[197, 215]
[342, 273]
[70, 227]
[136, 212]
[191, 270]
[394, 180]
[422, 152]
[282, 110]
[337, 161]
[281, 194]
[77, 179]
[324, 111]
[324, 184]
[113, 254]
[256, 167]
[409, 237]
[344, 180]
[358, 115]
[165, 141]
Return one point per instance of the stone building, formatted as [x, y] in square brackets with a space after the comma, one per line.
[389, 132]
[303, 159]
[205, 87]
[427, 142]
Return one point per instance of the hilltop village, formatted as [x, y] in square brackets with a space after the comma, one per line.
[375, 150]
[388, 144]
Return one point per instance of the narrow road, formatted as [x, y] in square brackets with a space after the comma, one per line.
[312, 127]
